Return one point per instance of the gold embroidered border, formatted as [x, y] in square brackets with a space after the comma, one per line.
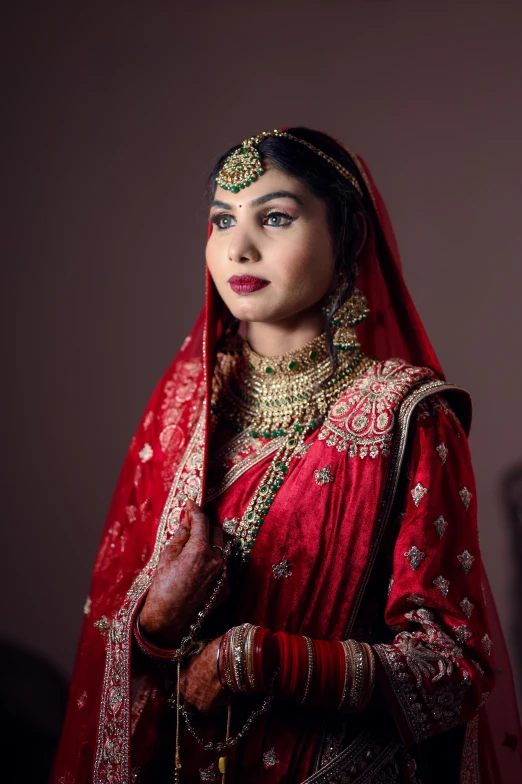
[112, 758]
[470, 766]
[240, 468]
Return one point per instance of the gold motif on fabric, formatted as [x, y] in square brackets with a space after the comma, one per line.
[414, 557]
[418, 493]
[465, 559]
[426, 654]
[465, 497]
[442, 451]
[146, 453]
[416, 598]
[462, 633]
[82, 700]
[487, 643]
[282, 569]
[390, 585]
[87, 606]
[440, 526]
[442, 584]
[112, 760]
[303, 450]
[323, 476]
[362, 421]
[467, 607]
[103, 625]
[270, 758]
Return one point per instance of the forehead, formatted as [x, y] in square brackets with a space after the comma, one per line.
[271, 180]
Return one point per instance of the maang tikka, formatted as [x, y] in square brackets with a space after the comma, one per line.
[243, 166]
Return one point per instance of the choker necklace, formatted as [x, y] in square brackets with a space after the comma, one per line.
[266, 397]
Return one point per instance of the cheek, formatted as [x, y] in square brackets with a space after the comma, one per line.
[308, 265]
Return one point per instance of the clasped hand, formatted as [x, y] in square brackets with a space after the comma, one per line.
[188, 570]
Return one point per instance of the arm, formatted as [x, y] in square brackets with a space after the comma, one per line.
[436, 671]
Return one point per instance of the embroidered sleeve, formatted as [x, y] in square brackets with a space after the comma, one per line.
[437, 672]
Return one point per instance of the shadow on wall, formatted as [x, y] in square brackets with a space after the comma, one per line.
[33, 696]
[512, 498]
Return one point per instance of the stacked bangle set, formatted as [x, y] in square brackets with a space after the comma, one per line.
[312, 672]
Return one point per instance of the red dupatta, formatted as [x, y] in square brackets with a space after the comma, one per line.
[165, 465]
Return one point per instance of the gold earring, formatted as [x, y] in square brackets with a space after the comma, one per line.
[351, 313]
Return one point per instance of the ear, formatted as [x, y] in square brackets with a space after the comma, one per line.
[362, 228]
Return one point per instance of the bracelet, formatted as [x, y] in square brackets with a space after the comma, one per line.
[370, 677]
[222, 644]
[189, 643]
[310, 653]
[346, 684]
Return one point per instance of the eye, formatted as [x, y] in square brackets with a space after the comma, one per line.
[278, 220]
[222, 220]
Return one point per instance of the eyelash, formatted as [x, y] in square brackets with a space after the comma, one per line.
[218, 216]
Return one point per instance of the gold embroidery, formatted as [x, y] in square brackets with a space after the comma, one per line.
[415, 557]
[323, 476]
[442, 584]
[112, 761]
[362, 421]
[440, 526]
[466, 606]
[146, 453]
[465, 497]
[282, 569]
[466, 560]
[87, 606]
[103, 625]
[418, 493]
[442, 451]
[270, 758]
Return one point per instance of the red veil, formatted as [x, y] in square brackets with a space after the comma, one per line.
[96, 737]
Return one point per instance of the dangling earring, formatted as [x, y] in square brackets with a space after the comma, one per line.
[351, 313]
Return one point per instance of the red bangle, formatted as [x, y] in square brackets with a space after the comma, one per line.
[148, 648]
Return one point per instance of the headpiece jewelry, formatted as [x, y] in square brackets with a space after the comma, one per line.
[243, 166]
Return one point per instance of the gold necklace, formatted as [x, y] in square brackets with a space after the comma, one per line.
[266, 396]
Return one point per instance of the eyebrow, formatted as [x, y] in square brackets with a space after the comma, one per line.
[260, 199]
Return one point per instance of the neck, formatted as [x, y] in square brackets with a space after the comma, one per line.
[281, 337]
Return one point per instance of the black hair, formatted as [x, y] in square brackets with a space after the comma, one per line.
[348, 218]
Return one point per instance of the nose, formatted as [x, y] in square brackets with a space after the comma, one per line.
[242, 247]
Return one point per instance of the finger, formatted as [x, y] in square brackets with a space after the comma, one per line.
[198, 522]
[216, 536]
[179, 538]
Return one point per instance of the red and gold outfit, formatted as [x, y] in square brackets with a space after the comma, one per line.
[371, 537]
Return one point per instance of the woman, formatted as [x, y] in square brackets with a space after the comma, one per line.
[300, 488]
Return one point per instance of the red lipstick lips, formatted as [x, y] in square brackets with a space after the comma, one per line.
[246, 284]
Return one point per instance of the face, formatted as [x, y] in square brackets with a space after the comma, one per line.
[270, 252]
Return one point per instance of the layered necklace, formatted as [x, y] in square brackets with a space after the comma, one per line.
[285, 398]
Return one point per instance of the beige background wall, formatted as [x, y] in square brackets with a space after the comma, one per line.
[112, 118]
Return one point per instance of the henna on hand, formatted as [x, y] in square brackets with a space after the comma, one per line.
[199, 683]
[188, 569]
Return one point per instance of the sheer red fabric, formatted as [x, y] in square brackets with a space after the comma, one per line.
[110, 698]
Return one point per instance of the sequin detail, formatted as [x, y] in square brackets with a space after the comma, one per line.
[270, 758]
[462, 633]
[146, 453]
[440, 526]
[282, 569]
[415, 557]
[323, 476]
[418, 493]
[442, 451]
[442, 584]
[466, 560]
[486, 643]
[466, 606]
[416, 598]
[465, 497]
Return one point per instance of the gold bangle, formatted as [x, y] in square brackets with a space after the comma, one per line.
[370, 675]
[249, 658]
[346, 650]
[310, 668]
[357, 686]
